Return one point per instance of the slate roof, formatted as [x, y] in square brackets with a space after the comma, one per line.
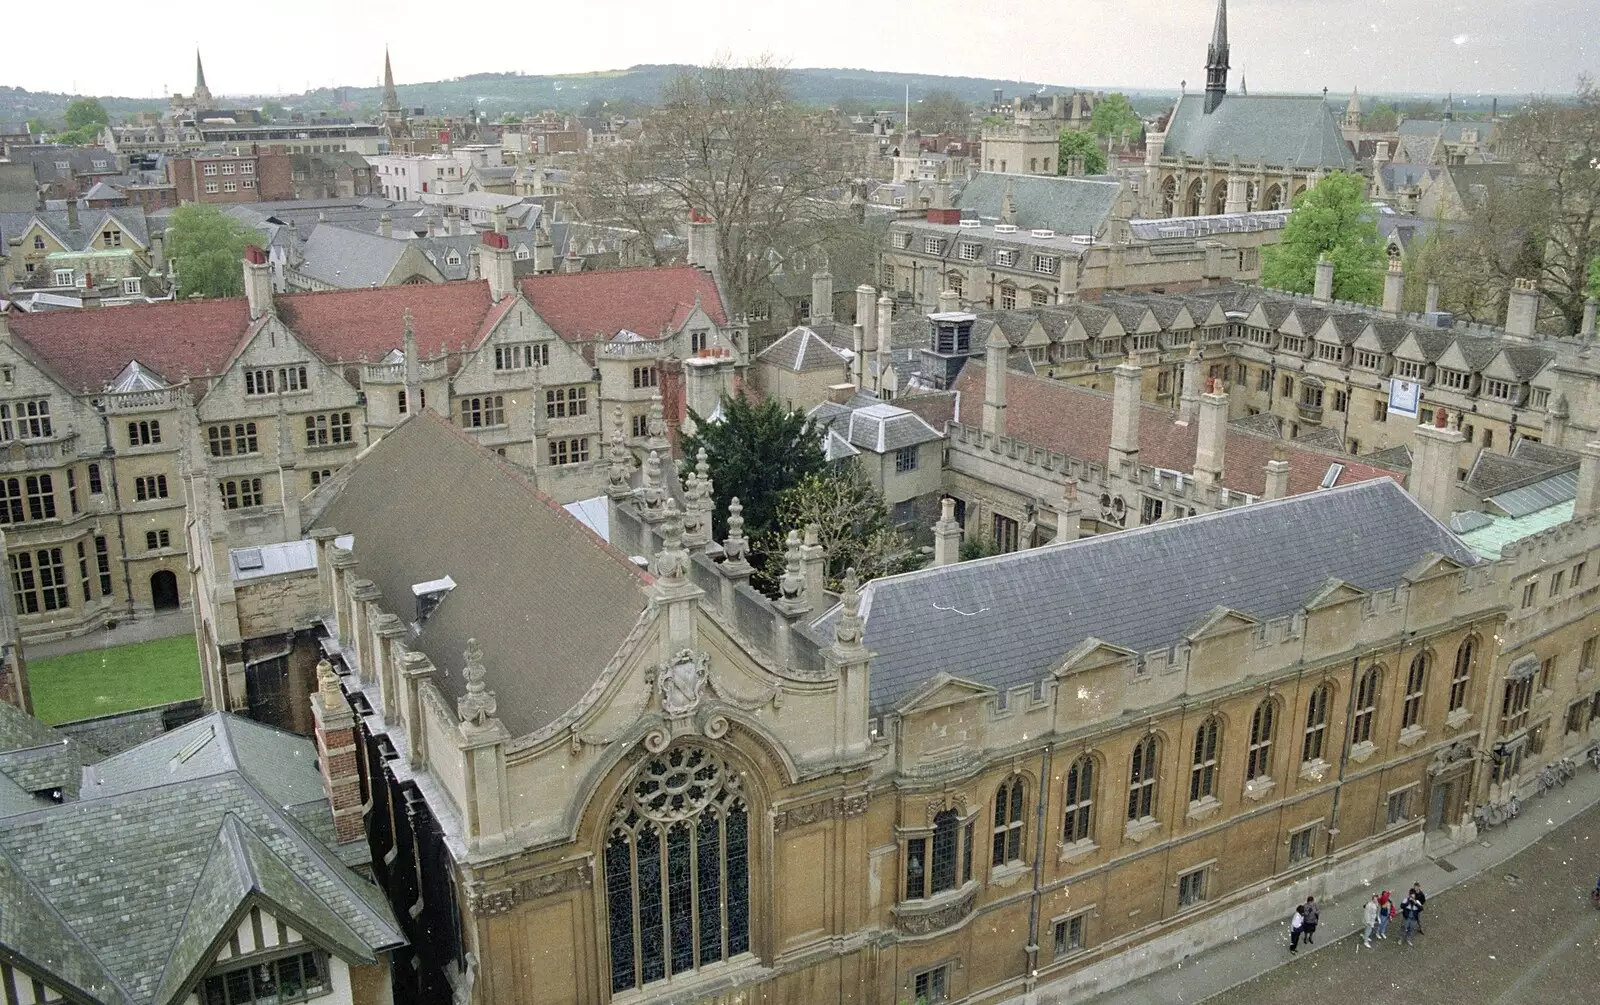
[1065, 205]
[120, 890]
[803, 349]
[90, 223]
[349, 259]
[880, 427]
[1008, 620]
[584, 305]
[1277, 130]
[524, 568]
[1076, 421]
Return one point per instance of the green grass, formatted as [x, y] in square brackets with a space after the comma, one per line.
[115, 679]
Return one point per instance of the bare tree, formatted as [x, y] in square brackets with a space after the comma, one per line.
[619, 187]
[730, 144]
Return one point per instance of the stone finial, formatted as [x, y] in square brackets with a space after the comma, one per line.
[477, 706]
[847, 634]
[671, 563]
[619, 461]
[650, 493]
[735, 547]
[328, 686]
[657, 428]
[793, 584]
[695, 532]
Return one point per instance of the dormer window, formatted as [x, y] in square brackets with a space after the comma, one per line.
[1407, 369]
[1456, 380]
[1500, 390]
[289, 979]
[1541, 398]
[1330, 352]
[430, 595]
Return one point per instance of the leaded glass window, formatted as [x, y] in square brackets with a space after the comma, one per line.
[1203, 776]
[1259, 760]
[1008, 822]
[678, 869]
[1142, 780]
[1080, 800]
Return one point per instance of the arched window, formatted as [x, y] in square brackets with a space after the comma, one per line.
[1169, 196]
[1009, 816]
[1079, 821]
[1142, 773]
[1416, 683]
[1203, 774]
[1366, 706]
[924, 878]
[1461, 676]
[1260, 753]
[1196, 203]
[1316, 723]
[678, 869]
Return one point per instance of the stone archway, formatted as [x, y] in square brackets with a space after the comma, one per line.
[1273, 199]
[164, 591]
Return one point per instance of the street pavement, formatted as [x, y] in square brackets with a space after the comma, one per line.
[1508, 922]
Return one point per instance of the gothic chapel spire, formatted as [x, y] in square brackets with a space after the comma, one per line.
[1217, 60]
[390, 103]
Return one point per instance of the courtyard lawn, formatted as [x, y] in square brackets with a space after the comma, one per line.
[116, 679]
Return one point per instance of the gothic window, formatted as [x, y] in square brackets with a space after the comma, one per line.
[1009, 817]
[1142, 780]
[1462, 675]
[1078, 824]
[1196, 202]
[1169, 197]
[1259, 761]
[1366, 706]
[1416, 682]
[1316, 723]
[932, 870]
[677, 867]
[1203, 773]
[1273, 199]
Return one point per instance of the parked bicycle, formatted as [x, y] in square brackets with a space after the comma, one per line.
[1494, 814]
[1593, 756]
[1568, 768]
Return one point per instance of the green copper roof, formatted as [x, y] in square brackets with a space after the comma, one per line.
[1504, 530]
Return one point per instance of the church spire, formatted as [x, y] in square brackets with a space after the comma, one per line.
[1217, 60]
[390, 103]
[202, 93]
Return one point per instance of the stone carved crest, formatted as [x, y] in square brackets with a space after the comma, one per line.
[682, 681]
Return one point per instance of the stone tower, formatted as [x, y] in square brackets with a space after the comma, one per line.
[1352, 111]
[389, 107]
[1217, 60]
[202, 93]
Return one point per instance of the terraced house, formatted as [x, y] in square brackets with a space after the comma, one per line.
[106, 411]
[972, 781]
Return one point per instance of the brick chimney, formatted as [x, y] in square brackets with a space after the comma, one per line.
[257, 281]
[1213, 439]
[1433, 466]
[335, 727]
[497, 261]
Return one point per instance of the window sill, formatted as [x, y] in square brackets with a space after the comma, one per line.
[1137, 830]
[1314, 770]
[742, 969]
[1075, 850]
[1259, 788]
[1200, 809]
[1457, 718]
[1363, 751]
[941, 911]
[1010, 872]
[1411, 736]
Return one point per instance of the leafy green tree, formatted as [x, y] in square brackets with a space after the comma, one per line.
[1114, 116]
[272, 111]
[1594, 278]
[756, 452]
[1333, 219]
[1382, 119]
[206, 250]
[1075, 143]
[852, 523]
[86, 112]
[511, 118]
[80, 137]
[36, 127]
[941, 112]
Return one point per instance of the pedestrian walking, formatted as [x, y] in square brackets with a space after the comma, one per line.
[1422, 904]
[1410, 914]
[1369, 921]
[1311, 915]
[1296, 926]
[1385, 912]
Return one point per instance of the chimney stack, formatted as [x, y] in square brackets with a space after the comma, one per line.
[702, 242]
[1433, 466]
[1213, 439]
[1322, 292]
[994, 384]
[1522, 308]
[386, 225]
[1432, 306]
[866, 297]
[1394, 288]
[498, 264]
[335, 728]
[1587, 331]
[1277, 476]
[1189, 401]
[1125, 416]
[949, 300]
[257, 281]
[1588, 501]
[884, 326]
[858, 364]
[822, 296]
[946, 534]
[814, 564]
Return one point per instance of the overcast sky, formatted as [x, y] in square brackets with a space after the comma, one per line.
[1508, 46]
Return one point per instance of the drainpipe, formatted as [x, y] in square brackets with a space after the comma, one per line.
[110, 454]
[1032, 977]
[1344, 752]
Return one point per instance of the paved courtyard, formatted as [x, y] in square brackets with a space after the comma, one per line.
[1520, 933]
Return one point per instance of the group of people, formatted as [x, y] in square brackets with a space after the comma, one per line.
[1377, 914]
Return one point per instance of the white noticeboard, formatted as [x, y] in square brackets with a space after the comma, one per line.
[1404, 397]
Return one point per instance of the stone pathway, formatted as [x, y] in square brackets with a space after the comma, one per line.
[160, 626]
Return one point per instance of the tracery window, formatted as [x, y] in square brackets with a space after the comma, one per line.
[1416, 683]
[677, 867]
[1078, 824]
[1203, 775]
[1316, 723]
[1366, 706]
[1260, 751]
[1142, 780]
[1009, 817]
[1462, 676]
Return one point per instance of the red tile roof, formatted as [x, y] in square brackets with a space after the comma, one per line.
[586, 305]
[344, 325]
[89, 348]
[1077, 421]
